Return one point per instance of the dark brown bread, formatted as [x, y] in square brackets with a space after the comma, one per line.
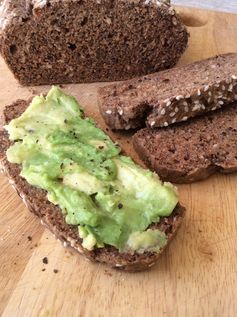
[171, 96]
[51, 216]
[191, 151]
[68, 41]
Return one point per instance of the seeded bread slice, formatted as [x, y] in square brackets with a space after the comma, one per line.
[191, 151]
[51, 216]
[171, 96]
[68, 41]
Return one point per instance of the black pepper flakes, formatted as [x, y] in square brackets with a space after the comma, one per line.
[55, 271]
[45, 260]
[29, 238]
[120, 206]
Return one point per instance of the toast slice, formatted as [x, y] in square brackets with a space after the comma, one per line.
[89, 41]
[52, 217]
[192, 151]
[171, 96]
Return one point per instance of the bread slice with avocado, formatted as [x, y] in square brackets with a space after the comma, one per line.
[75, 179]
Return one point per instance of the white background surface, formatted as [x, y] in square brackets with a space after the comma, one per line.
[220, 5]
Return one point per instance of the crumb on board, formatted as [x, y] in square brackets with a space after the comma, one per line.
[108, 273]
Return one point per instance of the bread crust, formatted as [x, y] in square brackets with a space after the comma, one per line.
[50, 215]
[90, 40]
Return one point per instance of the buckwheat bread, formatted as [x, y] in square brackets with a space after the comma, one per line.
[191, 151]
[67, 41]
[51, 216]
[171, 96]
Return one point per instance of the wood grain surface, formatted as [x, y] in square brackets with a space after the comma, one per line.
[196, 276]
[219, 5]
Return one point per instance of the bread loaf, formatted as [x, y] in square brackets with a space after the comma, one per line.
[67, 41]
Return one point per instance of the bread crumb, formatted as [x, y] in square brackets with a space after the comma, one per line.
[108, 273]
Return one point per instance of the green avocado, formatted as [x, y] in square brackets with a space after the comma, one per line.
[110, 198]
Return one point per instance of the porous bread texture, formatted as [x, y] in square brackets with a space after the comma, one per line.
[48, 42]
[171, 96]
[51, 216]
[192, 151]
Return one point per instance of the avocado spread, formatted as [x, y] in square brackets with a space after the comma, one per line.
[110, 198]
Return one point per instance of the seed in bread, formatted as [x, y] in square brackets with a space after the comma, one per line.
[171, 96]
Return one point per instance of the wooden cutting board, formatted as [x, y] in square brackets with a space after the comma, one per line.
[196, 276]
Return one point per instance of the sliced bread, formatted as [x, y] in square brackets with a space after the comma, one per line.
[68, 41]
[191, 151]
[52, 217]
[171, 96]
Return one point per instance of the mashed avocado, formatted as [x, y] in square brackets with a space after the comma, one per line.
[110, 198]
